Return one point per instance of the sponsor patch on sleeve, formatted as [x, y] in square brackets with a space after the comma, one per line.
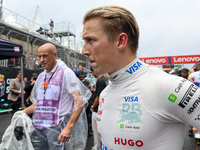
[73, 84]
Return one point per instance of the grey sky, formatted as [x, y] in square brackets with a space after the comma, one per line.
[167, 27]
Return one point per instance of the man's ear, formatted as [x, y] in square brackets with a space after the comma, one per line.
[55, 55]
[122, 41]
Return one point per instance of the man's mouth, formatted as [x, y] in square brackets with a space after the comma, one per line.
[91, 61]
[43, 64]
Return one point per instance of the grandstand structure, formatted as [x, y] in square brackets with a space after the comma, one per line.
[18, 29]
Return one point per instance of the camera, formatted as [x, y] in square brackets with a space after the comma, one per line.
[39, 30]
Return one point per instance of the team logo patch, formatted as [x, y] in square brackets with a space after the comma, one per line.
[130, 115]
[172, 98]
[73, 84]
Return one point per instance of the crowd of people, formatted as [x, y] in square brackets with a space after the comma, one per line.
[33, 62]
[131, 105]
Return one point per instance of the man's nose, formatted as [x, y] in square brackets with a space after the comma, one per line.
[41, 59]
[85, 50]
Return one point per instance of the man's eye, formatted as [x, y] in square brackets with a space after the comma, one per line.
[91, 40]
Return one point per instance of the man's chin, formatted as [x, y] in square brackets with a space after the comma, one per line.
[44, 67]
[98, 71]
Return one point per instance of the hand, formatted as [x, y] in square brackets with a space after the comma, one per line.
[91, 88]
[27, 100]
[24, 92]
[194, 129]
[64, 135]
[91, 109]
[33, 82]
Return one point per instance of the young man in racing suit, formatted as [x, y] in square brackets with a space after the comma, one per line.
[143, 107]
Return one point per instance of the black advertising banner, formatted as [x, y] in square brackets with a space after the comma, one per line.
[7, 74]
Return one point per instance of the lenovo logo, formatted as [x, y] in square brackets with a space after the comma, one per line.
[171, 59]
[186, 59]
[155, 61]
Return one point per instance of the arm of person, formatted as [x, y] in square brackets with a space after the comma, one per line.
[194, 129]
[79, 104]
[187, 102]
[191, 79]
[28, 99]
[12, 88]
[95, 104]
[30, 109]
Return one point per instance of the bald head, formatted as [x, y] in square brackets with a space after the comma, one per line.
[47, 54]
[48, 46]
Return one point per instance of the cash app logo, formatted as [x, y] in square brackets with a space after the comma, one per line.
[122, 126]
[172, 98]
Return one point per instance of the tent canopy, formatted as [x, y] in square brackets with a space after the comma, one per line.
[12, 50]
[9, 49]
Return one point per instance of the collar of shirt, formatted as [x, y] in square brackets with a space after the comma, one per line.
[128, 71]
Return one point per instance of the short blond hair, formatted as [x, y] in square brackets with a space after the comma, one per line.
[116, 20]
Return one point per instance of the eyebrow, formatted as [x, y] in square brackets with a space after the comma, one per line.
[90, 36]
[85, 37]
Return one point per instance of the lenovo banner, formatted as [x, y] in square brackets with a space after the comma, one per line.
[187, 59]
[155, 60]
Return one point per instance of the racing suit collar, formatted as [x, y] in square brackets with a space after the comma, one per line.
[128, 70]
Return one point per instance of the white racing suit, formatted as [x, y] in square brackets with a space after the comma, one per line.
[144, 108]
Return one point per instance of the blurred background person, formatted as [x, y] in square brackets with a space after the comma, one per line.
[100, 85]
[28, 88]
[90, 101]
[25, 80]
[15, 93]
[194, 78]
[184, 73]
[51, 24]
